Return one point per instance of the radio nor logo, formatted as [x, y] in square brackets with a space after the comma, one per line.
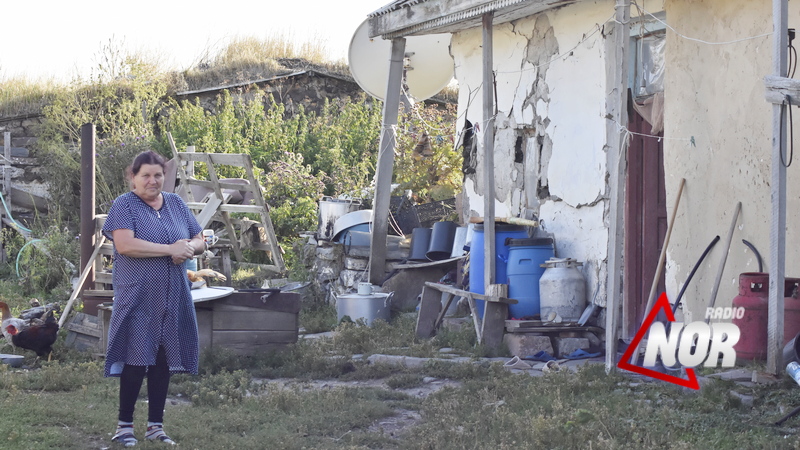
[689, 345]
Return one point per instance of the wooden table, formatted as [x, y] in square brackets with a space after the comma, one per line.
[490, 331]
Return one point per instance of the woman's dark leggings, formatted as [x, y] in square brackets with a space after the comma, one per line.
[157, 385]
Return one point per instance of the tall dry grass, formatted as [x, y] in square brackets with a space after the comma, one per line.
[21, 96]
[242, 59]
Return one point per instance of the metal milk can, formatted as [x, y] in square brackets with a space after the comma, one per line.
[562, 290]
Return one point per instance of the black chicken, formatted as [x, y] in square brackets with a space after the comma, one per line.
[36, 329]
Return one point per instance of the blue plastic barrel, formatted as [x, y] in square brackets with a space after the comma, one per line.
[476, 257]
[525, 257]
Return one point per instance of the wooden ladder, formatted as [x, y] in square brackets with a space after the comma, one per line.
[215, 207]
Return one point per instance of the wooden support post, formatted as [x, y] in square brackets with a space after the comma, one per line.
[7, 164]
[474, 313]
[495, 314]
[777, 241]
[489, 269]
[445, 305]
[616, 183]
[181, 170]
[383, 176]
[87, 201]
[7, 147]
[429, 308]
[226, 265]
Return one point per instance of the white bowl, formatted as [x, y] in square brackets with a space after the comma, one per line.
[351, 219]
[12, 360]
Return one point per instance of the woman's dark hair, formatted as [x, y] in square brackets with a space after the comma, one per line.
[147, 157]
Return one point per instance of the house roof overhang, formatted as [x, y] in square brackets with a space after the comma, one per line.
[403, 18]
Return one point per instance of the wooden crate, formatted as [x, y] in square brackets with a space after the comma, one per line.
[241, 322]
[249, 323]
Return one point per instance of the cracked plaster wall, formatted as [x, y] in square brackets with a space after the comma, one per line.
[551, 107]
[715, 93]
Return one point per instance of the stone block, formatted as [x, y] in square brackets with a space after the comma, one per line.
[329, 252]
[566, 345]
[525, 344]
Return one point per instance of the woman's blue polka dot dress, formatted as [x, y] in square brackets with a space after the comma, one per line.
[152, 298]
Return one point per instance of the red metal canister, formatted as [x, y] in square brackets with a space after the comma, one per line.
[753, 325]
[791, 308]
[753, 297]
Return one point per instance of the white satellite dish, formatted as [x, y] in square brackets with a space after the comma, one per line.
[429, 67]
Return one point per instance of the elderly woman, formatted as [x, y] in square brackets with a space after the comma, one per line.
[153, 329]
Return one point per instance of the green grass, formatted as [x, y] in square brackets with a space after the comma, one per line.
[68, 404]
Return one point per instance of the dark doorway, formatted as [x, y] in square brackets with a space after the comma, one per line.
[645, 220]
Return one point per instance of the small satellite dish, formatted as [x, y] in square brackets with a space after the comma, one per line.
[429, 64]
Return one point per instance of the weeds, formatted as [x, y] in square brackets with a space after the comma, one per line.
[232, 404]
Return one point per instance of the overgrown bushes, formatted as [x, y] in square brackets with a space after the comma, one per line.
[298, 157]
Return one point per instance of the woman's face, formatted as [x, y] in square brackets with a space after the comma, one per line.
[148, 182]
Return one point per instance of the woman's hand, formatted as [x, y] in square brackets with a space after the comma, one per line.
[181, 251]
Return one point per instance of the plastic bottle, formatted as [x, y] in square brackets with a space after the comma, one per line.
[793, 369]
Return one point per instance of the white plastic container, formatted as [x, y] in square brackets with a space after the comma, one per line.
[330, 210]
[562, 290]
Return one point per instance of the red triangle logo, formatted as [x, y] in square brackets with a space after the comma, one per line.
[662, 303]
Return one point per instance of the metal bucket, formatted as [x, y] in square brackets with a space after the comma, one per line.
[791, 351]
[420, 241]
[441, 242]
[368, 307]
[330, 209]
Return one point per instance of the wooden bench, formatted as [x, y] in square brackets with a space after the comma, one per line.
[489, 332]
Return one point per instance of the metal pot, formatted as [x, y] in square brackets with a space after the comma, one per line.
[368, 307]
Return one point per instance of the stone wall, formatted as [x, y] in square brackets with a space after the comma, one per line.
[26, 173]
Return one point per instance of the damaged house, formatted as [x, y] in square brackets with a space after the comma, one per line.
[616, 121]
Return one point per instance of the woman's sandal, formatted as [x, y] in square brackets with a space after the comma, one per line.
[124, 435]
[156, 433]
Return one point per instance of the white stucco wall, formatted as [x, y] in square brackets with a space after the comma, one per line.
[715, 94]
[551, 91]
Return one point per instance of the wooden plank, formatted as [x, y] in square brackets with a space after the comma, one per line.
[444, 262]
[99, 293]
[227, 270]
[383, 176]
[104, 277]
[462, 293]
[429, 308]
[266, 222]
[177, 155]
[616, 137]
[222, 184]
[779, 87]
[777, 236]
[494, 319]
[7, 163]
[208, 211]
[227, 159]
[256, 320]
[450, 297]
[227, 207]
[212, 174]
[84, 324]
[81, 280]
[204, 327]
[474, 313]
[488, 90]
[280, 301]
[251, 342]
